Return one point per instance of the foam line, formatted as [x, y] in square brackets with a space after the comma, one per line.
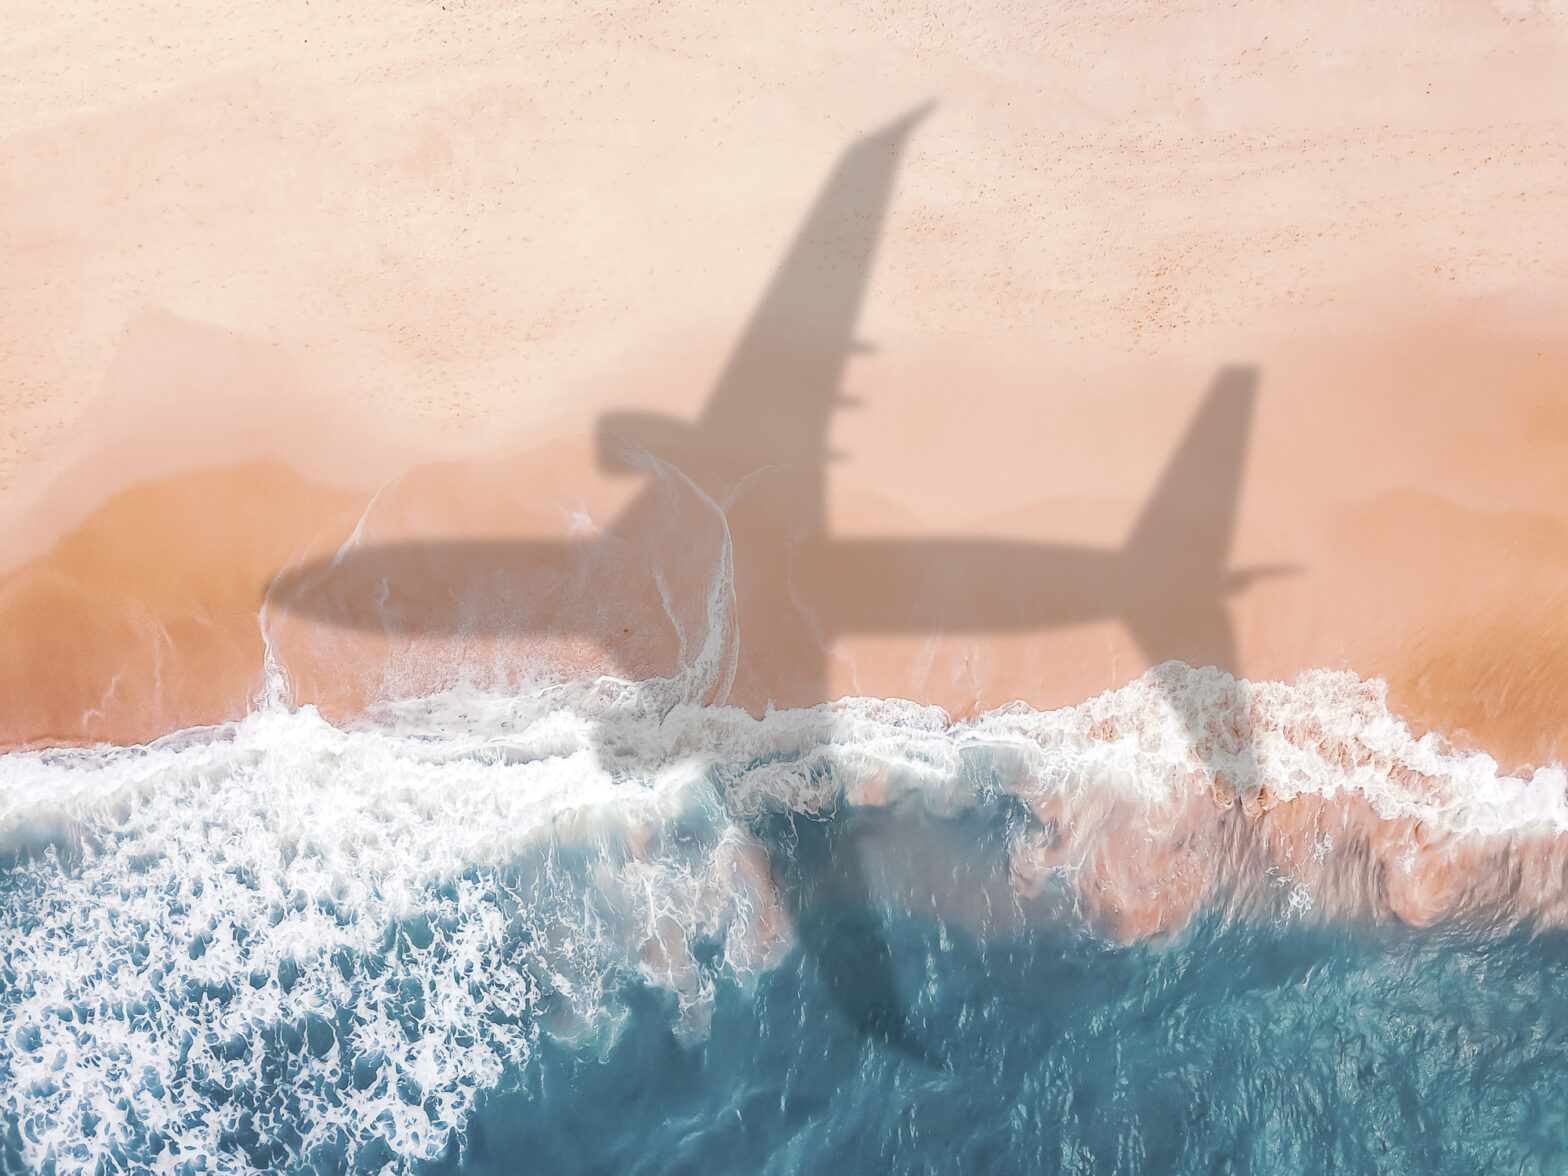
[253, 941]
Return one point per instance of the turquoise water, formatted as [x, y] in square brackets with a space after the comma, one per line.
[1238, 1049]
[1234, 1048]
[477, 937]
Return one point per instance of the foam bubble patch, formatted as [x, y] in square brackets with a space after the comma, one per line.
[284, 943]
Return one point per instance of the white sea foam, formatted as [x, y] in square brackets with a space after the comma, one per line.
[279, 935]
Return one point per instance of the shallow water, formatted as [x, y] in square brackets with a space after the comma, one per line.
[1243, 1048]
[584, 928]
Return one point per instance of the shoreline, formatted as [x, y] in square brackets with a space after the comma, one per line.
[282, 287]
[145, 618]
[1135, 827]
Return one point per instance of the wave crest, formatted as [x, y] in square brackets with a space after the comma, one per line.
[278, 936]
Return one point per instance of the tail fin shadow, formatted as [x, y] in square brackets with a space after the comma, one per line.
[1188, 523]
[1180, 547]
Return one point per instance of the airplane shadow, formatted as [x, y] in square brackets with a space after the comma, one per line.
[734, 512]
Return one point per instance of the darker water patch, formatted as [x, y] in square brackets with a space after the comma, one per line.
[1241, 1048]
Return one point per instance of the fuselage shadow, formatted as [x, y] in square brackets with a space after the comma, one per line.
[735, 512]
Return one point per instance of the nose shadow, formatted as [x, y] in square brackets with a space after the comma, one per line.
[722, 569]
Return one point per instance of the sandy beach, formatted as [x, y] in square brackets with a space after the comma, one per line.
[678, 587]
[260, 266]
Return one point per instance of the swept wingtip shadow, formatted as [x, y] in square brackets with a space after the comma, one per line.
[905, 123]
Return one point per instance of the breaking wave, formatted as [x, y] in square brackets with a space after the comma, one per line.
[283, 943]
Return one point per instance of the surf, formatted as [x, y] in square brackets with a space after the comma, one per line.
[254, 941]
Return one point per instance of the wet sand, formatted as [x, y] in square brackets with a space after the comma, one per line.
[144, 616]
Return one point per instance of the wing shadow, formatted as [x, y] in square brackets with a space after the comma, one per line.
[740, 496]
